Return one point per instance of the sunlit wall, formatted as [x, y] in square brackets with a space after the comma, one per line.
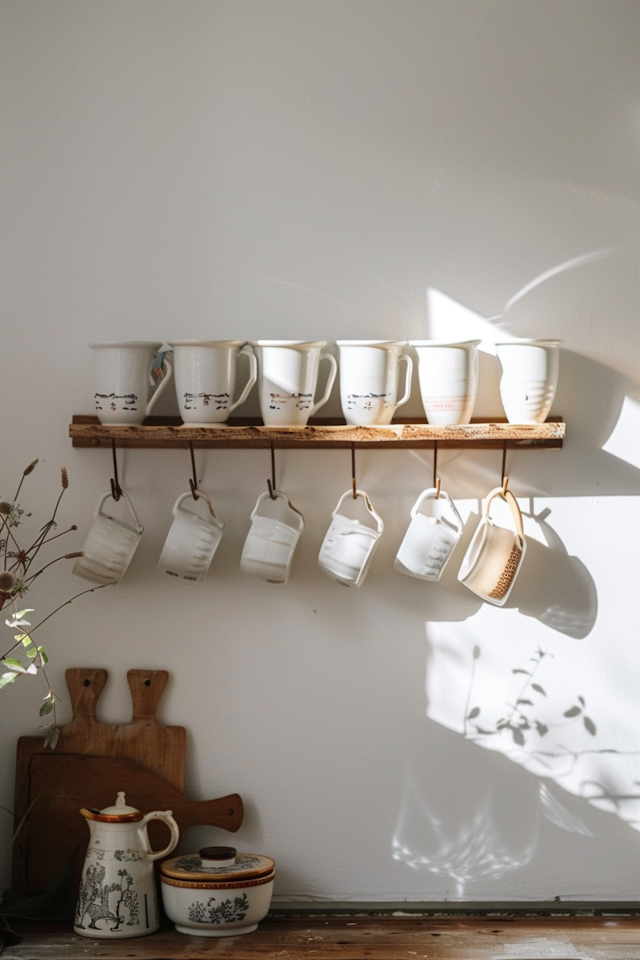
[346, 169]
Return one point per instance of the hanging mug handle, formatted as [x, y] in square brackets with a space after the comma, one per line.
[138, 528]
[278, 494]
[434, 493]
[513, 506]
[368, 504]
[198, 494]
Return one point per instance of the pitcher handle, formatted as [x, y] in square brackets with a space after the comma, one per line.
[513, 506]
[407, 379]
[166, 362]
[368, 504]
[197, 494]
[253, 376]
[430, 493]
[98, 512]
[330, 381]
[277, 494]
[167, 818]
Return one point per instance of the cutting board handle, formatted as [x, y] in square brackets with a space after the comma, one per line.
[147, 687]
[85, 684]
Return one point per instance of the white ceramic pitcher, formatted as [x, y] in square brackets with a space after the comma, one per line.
[369, 372]
[118, 897]
[275, 529]
[348, 545]
[110, 544]
[124, 372]
[287, 380]
[529, 378]
[205, 377]
[448, 374]
[431, 537]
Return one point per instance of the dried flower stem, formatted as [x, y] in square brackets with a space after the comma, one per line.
[25, 473]
[48, 617]
[66, 556]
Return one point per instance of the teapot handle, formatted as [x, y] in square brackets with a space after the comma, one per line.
[167, 818]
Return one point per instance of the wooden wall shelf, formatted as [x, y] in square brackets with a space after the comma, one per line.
[168, 432]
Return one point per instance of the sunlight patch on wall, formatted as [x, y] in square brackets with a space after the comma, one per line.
[624, 441]
[449, 320]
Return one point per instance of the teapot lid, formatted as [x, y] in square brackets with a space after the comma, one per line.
[218, 864]
[120, 812]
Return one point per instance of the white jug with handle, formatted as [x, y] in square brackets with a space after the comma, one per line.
[124, 371]
[346, 551]
[369, 376]
[287, 380]
[118, 897]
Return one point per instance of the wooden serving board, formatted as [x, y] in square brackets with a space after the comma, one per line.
[61, 784]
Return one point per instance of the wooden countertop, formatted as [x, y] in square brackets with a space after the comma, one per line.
[393, 936]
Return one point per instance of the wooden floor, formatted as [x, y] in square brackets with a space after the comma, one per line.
[356, 937]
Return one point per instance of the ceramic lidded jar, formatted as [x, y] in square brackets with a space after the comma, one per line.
[118, 897]
[217, 892]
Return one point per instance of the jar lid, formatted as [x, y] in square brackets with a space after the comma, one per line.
[217, 865]
[120, 812]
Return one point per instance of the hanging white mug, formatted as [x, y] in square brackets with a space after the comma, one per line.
[124, 372]
[110, 544]
[347, 549]
[369, 372]
[448, 375]
[205, 378]
[275, 529]
[287, 380]
[529, 378]
[431, 536]
[494, 556]
[192, 539]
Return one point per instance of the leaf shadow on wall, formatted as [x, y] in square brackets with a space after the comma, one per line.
[533, 707]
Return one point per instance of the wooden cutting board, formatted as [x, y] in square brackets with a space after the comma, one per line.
[61, 784]
[156, 747]
[153, 747]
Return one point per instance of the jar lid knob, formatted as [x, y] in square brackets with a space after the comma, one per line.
[218, 856]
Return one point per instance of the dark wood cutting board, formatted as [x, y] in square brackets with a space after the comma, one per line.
[61, 784]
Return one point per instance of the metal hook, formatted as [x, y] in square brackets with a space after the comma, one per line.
[116, 489]
[272, 482]
[436, 478]
[193, 480]
[503, 474]
[353, 471]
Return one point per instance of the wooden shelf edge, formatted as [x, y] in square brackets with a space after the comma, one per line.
[168, 432]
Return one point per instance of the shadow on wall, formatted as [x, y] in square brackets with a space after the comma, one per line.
[515, 685]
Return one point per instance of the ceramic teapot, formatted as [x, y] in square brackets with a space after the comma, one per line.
[118, 897]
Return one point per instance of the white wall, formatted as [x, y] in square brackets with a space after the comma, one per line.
[303, 169]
